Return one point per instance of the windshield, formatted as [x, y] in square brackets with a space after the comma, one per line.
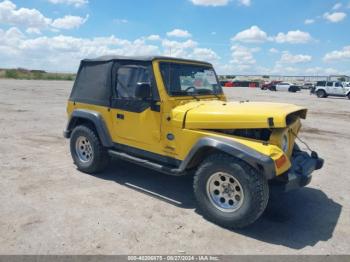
[185, 79]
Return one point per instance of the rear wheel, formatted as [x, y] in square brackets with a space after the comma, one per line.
[229, 192]
[349, 96]
[87, 152]
[321, 93]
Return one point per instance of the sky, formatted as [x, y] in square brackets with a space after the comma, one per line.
[289, 37]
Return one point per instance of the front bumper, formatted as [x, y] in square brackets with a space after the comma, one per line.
[299, 175]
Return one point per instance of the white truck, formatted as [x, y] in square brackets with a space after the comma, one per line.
[332, 88]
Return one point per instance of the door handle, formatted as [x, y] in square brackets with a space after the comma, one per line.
[120, 116]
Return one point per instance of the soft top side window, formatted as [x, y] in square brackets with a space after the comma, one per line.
[127, 78]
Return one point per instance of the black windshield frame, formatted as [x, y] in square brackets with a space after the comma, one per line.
[171, 66]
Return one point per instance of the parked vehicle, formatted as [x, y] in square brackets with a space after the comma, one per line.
[270, 85]
[171, 115]
[307, 86]
[346, 84]
[225, 83]
[331, 88]
[229, 84]
[252, 84]
[285, 86]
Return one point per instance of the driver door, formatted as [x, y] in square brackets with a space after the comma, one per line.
[136, 122]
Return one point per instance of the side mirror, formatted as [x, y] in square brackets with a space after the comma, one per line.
[143, 91]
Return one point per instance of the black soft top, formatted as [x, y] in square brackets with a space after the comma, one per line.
[96, 77]
[141, 58]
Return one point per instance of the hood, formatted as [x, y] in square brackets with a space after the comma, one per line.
[234, 115]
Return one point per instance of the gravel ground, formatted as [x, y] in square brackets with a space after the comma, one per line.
[48, 207]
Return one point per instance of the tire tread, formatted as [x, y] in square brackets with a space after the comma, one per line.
[258, 184]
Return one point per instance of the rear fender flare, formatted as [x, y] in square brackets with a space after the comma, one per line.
[93, 117]
[205, 146]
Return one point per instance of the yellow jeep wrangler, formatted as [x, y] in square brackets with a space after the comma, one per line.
[172, 116]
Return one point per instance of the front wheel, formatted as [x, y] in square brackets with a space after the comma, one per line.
[348, 96]
[87, 152]
[229, 192]
[321, 93]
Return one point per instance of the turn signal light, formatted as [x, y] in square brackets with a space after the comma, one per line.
[281, 161]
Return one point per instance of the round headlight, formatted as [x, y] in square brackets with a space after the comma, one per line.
[285, 143]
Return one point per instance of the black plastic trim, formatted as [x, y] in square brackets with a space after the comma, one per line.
[300, 174]
[97, 121]
[257, 160]
[147, 155]
[166, 169]
[172, 166]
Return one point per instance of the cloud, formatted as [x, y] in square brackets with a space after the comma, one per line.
[243, 56]
[9, 14]
[252, 35]
[69, 22]
[337, 6]
[309, 21]
[256, 35]
[245, 2]
[153, 37]
[178, 49]
[120, 21]
[273, 50]
[204, 54]
[210, 2]
[288, 58]
[335, 17]
[34, 19]
[293, 37]
[63, 53]
[76, 3]
[179, 33]
[33, 30]
[337, 55]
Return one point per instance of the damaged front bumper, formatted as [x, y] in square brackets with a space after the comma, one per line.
[299, 175]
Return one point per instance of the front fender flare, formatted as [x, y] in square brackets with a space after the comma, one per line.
[254, 158]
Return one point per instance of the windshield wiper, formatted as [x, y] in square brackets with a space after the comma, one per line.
[180, 93]
[208, 92]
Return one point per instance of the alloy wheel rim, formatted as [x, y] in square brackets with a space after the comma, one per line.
[225, 192]
[83, 149]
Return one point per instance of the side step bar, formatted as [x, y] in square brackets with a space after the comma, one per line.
[147, 163]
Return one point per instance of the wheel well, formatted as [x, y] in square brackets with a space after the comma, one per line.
[200, 155]
[79, 121]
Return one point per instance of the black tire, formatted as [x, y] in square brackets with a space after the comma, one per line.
[348, 96]
[273, 88]
[292, 90]
[99, 159]
[321, 93]
[254, 187]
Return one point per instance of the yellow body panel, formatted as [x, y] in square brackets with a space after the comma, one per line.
[148, 130]
[235, 115]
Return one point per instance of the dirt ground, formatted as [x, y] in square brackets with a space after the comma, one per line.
[48, 207]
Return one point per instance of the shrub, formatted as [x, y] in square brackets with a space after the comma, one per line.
[12, 73]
